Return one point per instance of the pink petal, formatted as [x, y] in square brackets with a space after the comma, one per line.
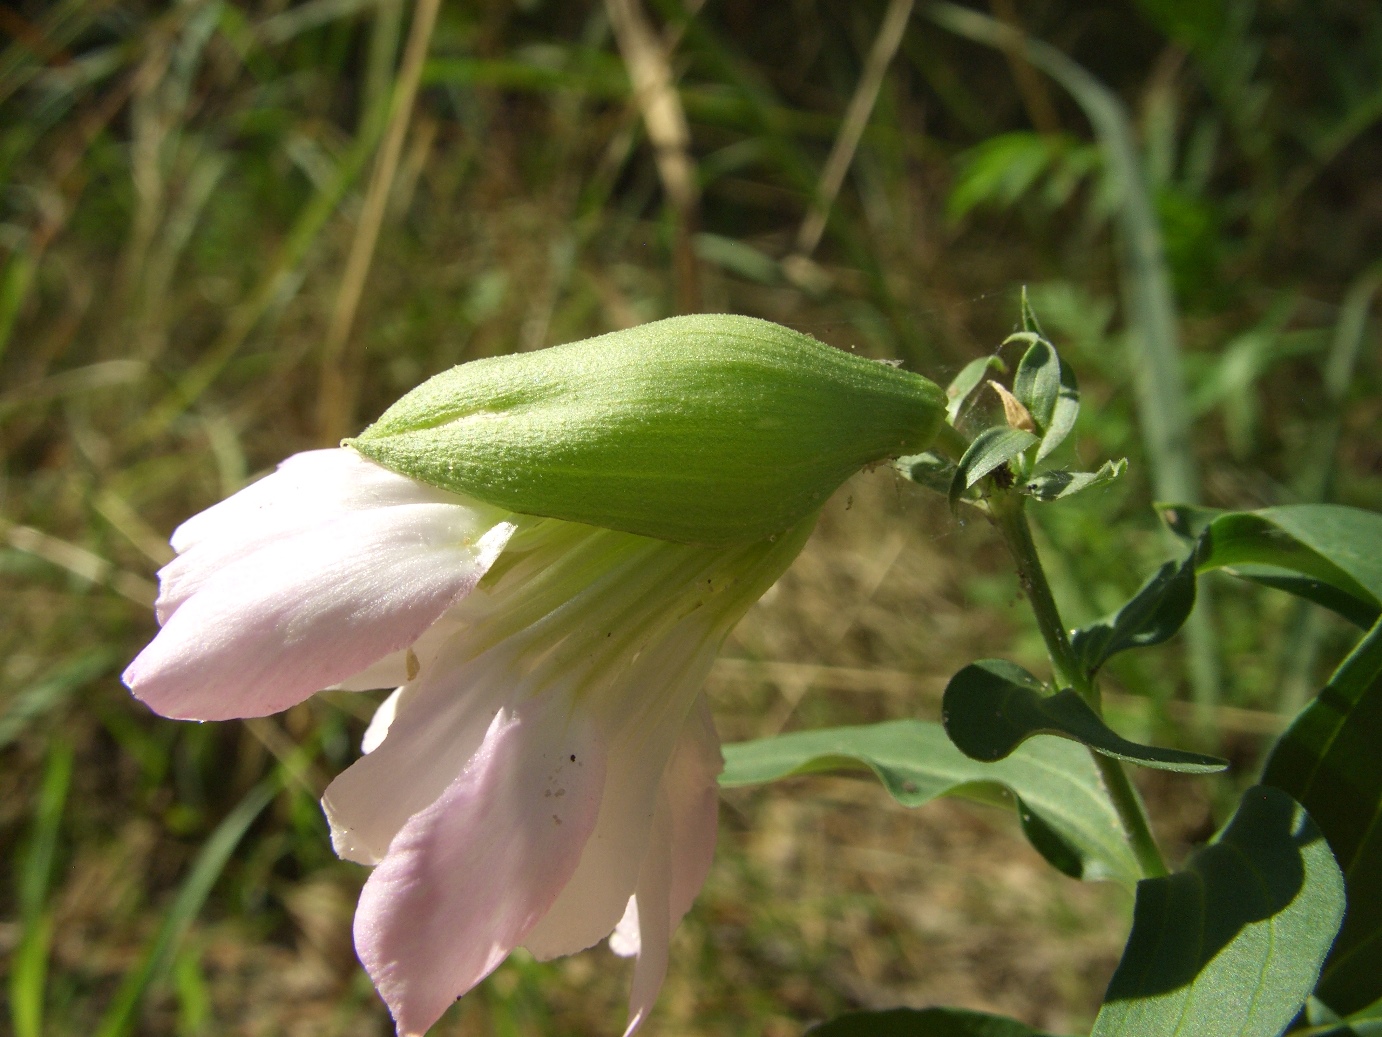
[654, 921]
[441, 721]
[693, 793]
[307, 491]
[680, 849]
[309, 610]
[466, 878]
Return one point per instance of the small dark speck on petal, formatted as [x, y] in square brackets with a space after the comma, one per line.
[556, 820]
[573, 757]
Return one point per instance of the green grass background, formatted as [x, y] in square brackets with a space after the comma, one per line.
[182, 186]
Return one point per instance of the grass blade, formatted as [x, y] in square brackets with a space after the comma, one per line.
[120, 1018]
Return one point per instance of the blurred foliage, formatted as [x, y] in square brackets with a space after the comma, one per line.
[182, 184]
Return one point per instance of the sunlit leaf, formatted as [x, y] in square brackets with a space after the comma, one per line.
[922, 1022]
[1149, 617]
[991, 707]
[1050, 780]
[991, 449]
[1325, 552]
[1055, 485]
[1231, 946]
[1331, 760]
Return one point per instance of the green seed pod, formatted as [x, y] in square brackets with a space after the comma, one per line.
[709, 429]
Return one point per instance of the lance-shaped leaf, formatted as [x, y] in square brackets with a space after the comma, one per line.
[922, 1022]
[1331, 761]
[1324, 552]
[1054, 485]
[991, 707]
[991, 449]
[969, 378]
[1231, 946]
[1047, 388]
[1053, 783]
[1149, 617]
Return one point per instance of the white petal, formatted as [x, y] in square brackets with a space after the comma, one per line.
[649, 707]
[307, 611]
[624, 940]
[307, 491]
[380, 723]
[654, 921]
[467, 877]
[440, 723]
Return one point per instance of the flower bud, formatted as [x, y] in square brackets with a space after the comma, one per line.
[707, 429]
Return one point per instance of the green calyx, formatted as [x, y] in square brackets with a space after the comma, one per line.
[708, 429]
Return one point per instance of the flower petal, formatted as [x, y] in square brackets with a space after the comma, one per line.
[267, 631]
[693, 793]
[441, 721]
[649, 708]
[307, 491]
[680, 849]
[466, 878]
[654, 920]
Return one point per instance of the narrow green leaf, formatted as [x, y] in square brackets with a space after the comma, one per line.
[1051, 779]
[991, 707]
[1149, 617]
[991, 448]
[1329, 760]
[1232, 945]
[1030, 323]
[1063, 414]
[29, 965]
[1054, 485]
[52, 690]
[969, 379]
[121, 1016]
[922, 1022]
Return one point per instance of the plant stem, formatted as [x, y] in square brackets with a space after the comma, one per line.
[1008, 513]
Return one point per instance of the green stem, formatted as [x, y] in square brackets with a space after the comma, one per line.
[1132, 814]
[1008, 513]
[1007, 510]
[950, 441]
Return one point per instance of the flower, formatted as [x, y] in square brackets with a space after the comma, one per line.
[544, 774]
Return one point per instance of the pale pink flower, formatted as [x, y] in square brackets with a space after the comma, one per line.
[544, 774]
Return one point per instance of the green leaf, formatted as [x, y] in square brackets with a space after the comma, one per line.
[1030, 323]
[991, 707]
[922, 1022]
[1037, 382]
[969, 379]
[1330, 761]
[927, 469]
[1053, 485]
[1149, 617]
[1050, 781]
[1232, 945]
[991, 448]
[1325, 552]
[1047, 388]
